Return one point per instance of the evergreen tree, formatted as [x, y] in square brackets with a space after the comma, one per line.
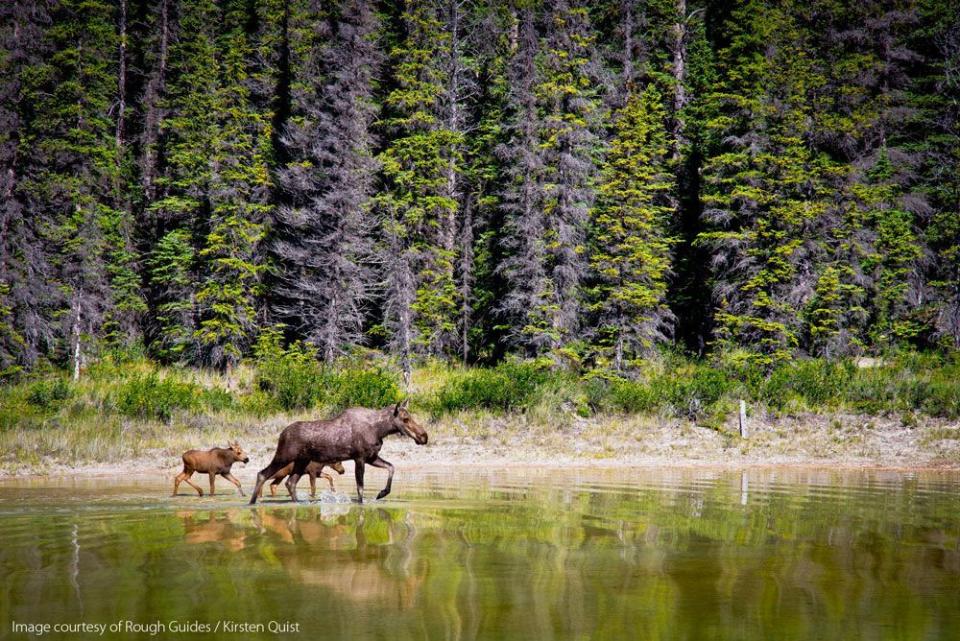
[523, 265]
[764, 190]
[569, 111]
[240, 183]
[419, 226]
[189, 129]
[25, 295]
[74, 181]
[630, 244]
[324, 234]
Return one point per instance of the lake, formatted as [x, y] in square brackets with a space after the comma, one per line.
[490, 554]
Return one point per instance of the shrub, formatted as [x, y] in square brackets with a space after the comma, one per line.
[508, 386]
[692, 395]
[817, 381]
[151, 396]
[291, 375]
[48, 394]
[363, 388]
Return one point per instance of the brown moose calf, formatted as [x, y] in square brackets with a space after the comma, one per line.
[215, 461]
[314, 470]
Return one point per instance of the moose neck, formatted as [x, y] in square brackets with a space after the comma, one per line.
[385, 426]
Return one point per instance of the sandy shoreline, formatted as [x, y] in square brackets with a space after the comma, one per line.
[810, 441]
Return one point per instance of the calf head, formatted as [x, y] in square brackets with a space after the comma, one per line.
[338, 467]
[405, 423]
[238, 452]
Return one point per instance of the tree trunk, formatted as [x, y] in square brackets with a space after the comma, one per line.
[121, 81]
[679, 76]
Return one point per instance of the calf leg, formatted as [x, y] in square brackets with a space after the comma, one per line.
[184, 476]
[230, 477]
[213, 475]
[299, 467]
[264, 475]
[313, 483]
[379, 462]
[273, 486]
[358, 471]
[329, 478]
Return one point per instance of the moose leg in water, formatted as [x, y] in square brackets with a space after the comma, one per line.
[265, 475]
[358, 470]
[299, 468]
[379, 462]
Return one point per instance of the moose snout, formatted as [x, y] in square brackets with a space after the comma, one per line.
[246, 459]
[421, 439]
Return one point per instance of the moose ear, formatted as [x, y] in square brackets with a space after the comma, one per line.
[396, 409]
[405, 402]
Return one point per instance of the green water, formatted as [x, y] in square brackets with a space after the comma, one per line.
[541, 554]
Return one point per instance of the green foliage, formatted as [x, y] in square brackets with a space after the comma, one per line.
[291, 375]
[514, 385]
[155, 397]
[363, 388]
[49, 394]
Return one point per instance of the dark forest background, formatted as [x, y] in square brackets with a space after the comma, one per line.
[469, 180]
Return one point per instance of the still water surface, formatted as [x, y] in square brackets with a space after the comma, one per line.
[471, 554]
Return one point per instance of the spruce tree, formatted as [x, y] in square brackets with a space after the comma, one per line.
[569, 108]
[764, 190]
[323, 247]
[630, 243]
[25, 292]
[419, 212]
[74, 181]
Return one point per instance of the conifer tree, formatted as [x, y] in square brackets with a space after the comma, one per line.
[630, 248]
[324, 233]
[74, 182]
[419, 226]
[764, 192]
[521, 200]
[25, 294]
[240, 183]
[569, 111]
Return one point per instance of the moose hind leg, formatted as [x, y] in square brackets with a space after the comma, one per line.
[358, 472]
[213, 475]
[379, 462]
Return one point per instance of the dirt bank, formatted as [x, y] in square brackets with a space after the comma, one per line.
[838, 440]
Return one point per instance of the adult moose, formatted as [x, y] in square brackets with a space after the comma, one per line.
[355, 435]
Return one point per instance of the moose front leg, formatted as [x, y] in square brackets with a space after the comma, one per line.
[233, 479]
[213, 475]
[358, 470]
[379, 462]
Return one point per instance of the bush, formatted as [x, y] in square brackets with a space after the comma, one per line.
[363, 388]
[292, 375]
[693, 395]
[151, 396]
[817, 381]
[48, 394]
[511, 385]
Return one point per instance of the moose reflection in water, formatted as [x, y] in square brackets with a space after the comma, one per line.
[357, 434]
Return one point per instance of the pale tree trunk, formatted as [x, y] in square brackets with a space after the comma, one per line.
[75, 333]
[121, 81]
[152, 115]
[679, 76]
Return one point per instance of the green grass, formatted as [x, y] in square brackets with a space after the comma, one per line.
[123, 407]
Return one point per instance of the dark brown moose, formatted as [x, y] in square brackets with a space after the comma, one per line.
[215, 461]
[356, 435]
[313, 471]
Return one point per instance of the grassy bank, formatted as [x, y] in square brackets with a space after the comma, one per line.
[128, 408]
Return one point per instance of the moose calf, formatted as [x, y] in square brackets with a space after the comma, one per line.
[314, 470]
[215, 461]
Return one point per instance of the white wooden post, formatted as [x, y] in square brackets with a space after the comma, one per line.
[743, 419]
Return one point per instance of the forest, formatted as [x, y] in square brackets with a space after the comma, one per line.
[471, 181]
